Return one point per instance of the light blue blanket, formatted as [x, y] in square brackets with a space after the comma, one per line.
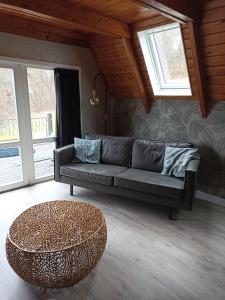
[176, 160]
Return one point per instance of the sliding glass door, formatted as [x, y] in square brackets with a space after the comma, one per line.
[27, 124]
[43, 119]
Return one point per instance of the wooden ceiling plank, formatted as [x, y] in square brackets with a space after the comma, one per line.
[62, 14]
[182, 11]
[149, 23]
[123, 10]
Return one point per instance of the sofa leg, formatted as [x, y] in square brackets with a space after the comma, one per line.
[71, 190]
[172, 215]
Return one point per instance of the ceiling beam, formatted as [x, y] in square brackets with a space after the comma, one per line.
[182, 11]
[65, 15]
[42, 31]
[200, 74]
[135, 69]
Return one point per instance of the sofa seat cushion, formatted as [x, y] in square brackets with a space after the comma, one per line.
[150, 182]
[97, 173]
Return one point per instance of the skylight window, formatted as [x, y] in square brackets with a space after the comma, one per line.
[164, 56]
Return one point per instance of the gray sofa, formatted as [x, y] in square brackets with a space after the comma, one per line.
[129, 168]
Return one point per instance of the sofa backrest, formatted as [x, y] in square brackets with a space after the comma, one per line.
[139, 154]
[149, 155]
[114, 150]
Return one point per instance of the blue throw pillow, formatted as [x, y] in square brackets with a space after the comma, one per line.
[88, 151]
[176, 160]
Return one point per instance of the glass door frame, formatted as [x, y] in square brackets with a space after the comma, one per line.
[26, 141]
[22, 109]
[36, 141]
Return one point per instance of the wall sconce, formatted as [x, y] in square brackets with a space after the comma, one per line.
[94, 100]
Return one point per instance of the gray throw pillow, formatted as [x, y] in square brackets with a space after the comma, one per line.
[87, 151]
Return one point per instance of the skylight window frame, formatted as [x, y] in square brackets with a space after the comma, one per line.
[154, 65]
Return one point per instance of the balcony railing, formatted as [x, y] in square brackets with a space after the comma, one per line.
[41, 126]
[8, 130]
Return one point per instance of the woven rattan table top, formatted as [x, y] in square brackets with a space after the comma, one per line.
[55, 225]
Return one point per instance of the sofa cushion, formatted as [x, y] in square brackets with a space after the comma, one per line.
[149, 155]
[150, 182]
[115, 150]
[97, 173]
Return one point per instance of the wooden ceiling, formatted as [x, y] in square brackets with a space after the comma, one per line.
[110, 17]
[109, 28]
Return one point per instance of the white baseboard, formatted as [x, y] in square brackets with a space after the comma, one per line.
[210, 198]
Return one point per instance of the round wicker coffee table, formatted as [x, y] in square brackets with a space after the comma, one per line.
[55, 244]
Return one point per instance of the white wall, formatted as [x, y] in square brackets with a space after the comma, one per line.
[13, 46]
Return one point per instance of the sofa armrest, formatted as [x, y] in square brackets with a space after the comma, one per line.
[193, 165]
[62, 156]
[190, 180]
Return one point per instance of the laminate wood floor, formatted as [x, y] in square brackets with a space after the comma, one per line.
[147, 257]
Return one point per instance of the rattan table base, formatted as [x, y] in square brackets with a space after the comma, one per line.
[55, 244]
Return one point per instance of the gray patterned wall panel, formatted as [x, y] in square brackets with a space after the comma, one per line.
[180, 121]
